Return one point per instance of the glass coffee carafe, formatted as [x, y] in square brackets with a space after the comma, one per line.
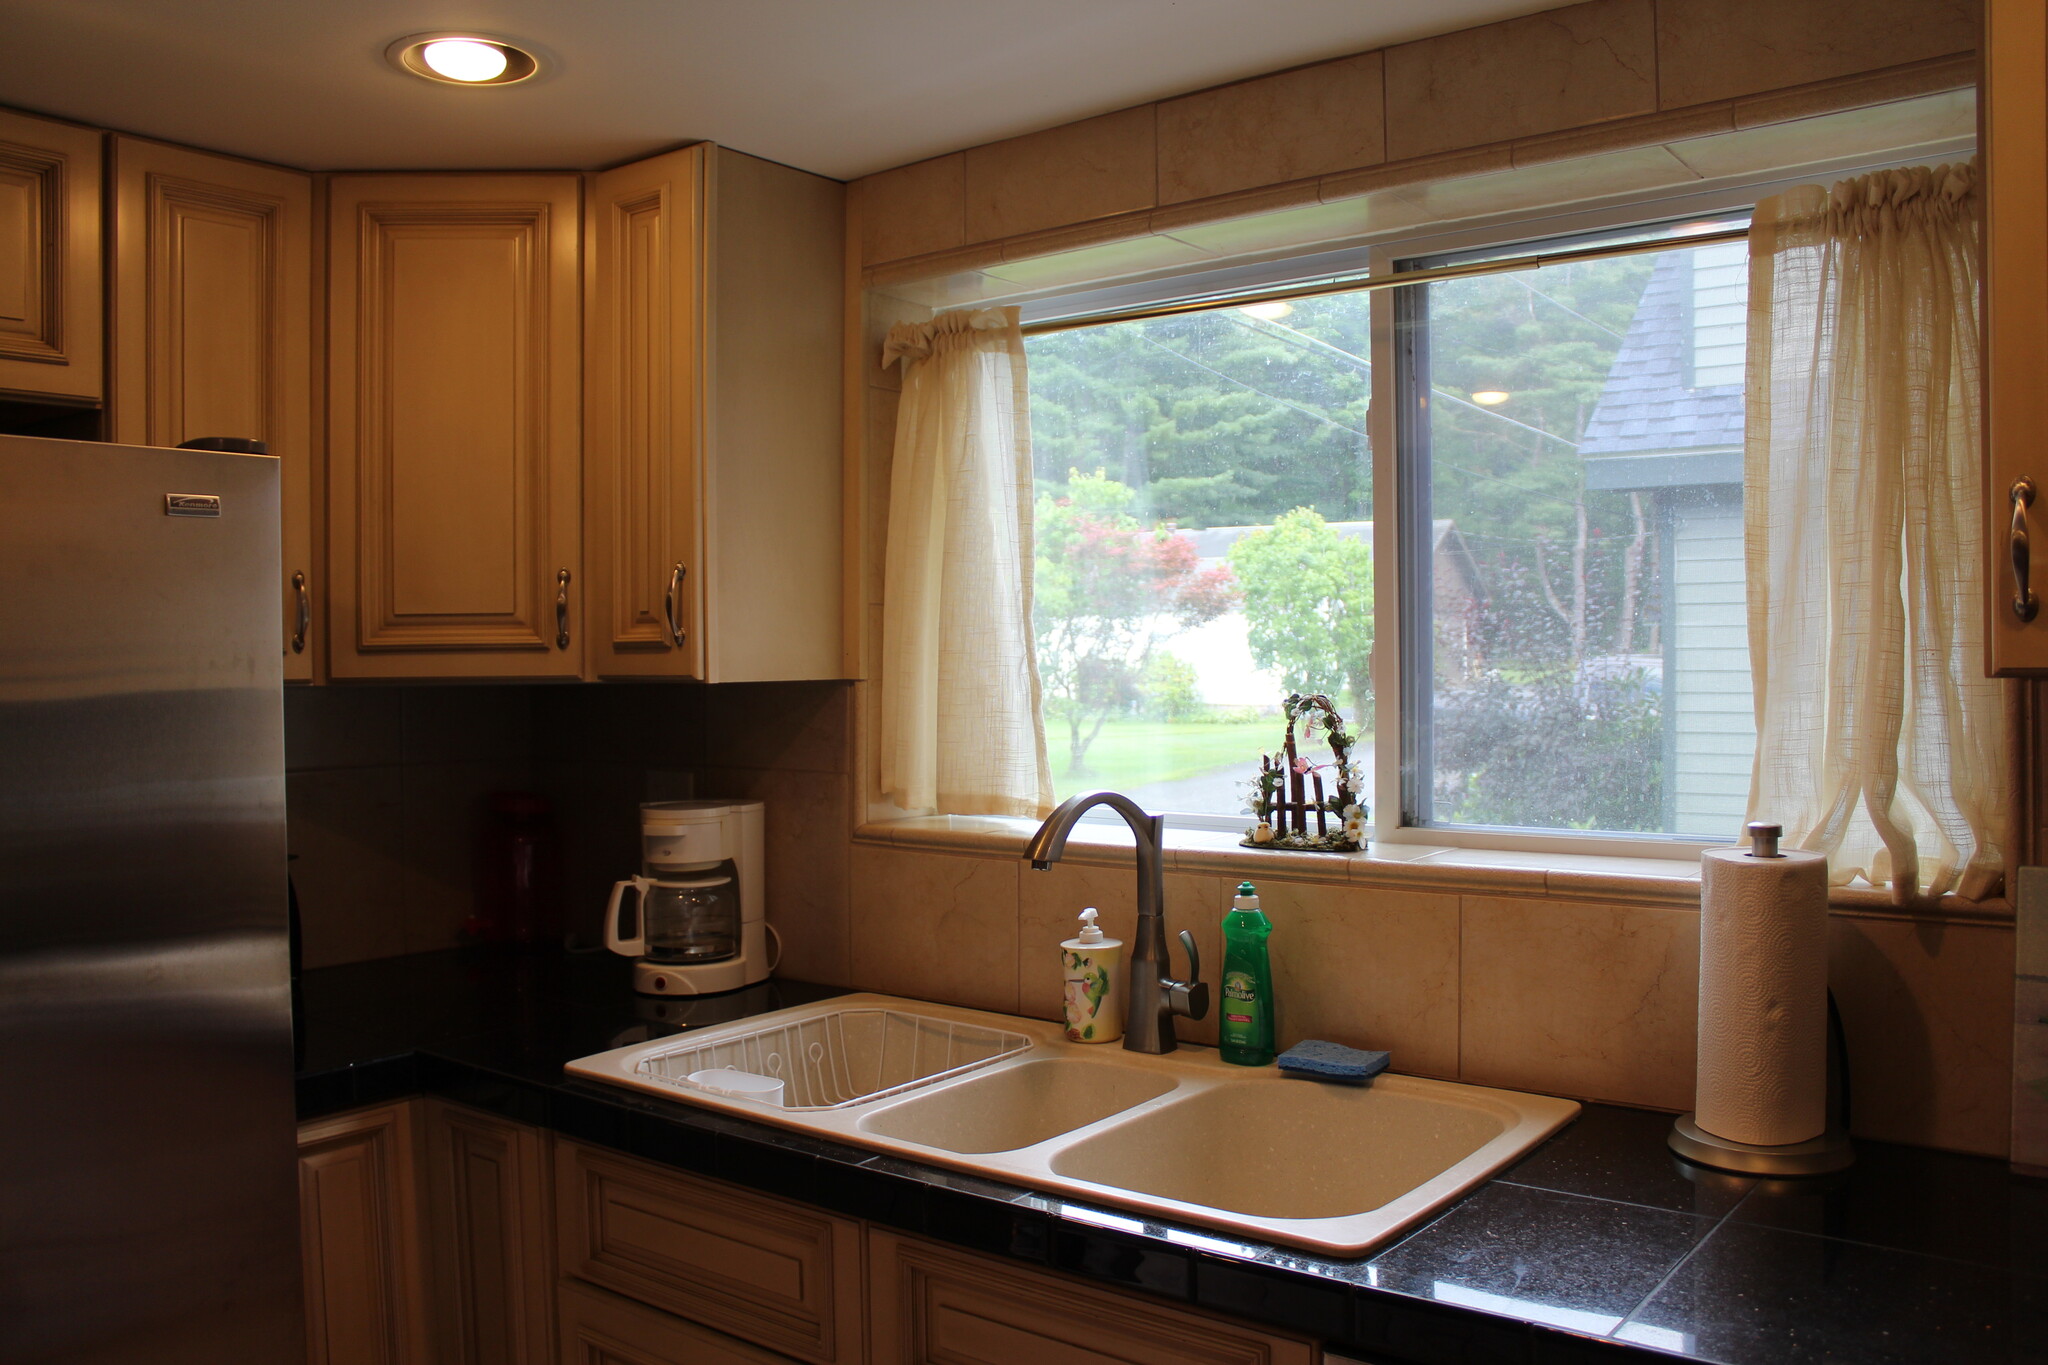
[681, 919]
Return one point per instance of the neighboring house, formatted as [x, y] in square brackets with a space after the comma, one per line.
[1669, 424]
[1221, 656]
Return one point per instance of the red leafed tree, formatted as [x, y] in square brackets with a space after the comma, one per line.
[1107, 590]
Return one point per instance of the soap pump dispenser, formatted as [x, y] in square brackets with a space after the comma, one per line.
[1092, 964]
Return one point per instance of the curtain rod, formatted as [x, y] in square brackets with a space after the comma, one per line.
[1365, 284]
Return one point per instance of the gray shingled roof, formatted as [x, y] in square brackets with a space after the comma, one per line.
[1645, 405]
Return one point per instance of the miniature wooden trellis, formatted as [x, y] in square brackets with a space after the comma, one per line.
[1290, 791]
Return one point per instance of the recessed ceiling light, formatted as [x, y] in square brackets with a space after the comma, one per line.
[462, 58]
[1267, 312]
[1490, 397]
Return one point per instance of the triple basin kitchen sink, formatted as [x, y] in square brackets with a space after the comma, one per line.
[1186, 1137]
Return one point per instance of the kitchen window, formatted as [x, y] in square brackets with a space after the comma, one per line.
[1567, 450]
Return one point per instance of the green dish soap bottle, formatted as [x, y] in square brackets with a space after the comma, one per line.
[1246, 1032]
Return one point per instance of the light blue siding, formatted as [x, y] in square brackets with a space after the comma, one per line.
[1711, 706]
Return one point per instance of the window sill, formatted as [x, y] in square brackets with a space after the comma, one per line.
[1396, 867]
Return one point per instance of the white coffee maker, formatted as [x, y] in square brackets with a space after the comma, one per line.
[698, 922]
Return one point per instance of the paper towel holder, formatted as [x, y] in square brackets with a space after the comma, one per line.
[1824, 1155]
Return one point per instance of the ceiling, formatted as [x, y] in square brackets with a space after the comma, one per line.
[839, 87]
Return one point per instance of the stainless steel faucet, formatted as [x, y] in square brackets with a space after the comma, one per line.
[1154, 997]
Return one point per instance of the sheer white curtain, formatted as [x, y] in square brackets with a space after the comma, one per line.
[960, 728]
[1879, 740]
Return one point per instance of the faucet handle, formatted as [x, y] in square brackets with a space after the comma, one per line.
[1189, 998]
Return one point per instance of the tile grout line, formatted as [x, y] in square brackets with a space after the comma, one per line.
[1681, 1262]
[1714, 1219]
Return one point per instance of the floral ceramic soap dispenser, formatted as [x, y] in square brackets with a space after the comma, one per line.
[1093, 964]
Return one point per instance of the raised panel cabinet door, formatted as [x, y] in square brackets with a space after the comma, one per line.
[603, 1329]
[777, 1274]
[211, 330]
[2014, 112]
[488, 1237]
[936, 1305]
[454, 385]
[360, 1239]
[643, 416]
[49, 258]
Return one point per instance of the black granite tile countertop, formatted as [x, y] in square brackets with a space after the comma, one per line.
[1597, 1246]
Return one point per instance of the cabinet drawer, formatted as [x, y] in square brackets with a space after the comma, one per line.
[934, 1305]
[604, 1329]
[764, 1270]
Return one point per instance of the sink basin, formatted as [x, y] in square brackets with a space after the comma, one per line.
[1291, 1150]
[1185, 1137]
[1019, 1107]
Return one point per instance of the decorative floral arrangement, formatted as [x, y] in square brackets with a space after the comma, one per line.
[1280, 799]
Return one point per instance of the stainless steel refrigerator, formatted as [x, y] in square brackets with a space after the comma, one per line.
[148, 1197]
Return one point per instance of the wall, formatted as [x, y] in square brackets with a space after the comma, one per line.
[1608, 75]
[1588, 987]
[1593, 996]
[387, 788]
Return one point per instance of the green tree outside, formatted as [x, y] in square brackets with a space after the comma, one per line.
[1308, 604]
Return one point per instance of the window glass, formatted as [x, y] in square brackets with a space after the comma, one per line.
[1572, 438]
[1204, 542]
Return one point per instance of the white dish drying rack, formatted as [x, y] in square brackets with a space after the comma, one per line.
[845, 1057]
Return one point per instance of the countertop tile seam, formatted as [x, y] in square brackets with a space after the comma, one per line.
[1614, 1333]
[1887, 1248]
[1715, 1218]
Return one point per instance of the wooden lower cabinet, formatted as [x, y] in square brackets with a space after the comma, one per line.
[604, 1329]
[778, 1274]
[437, 1233]
[359, 1234]
[490, 1248]
[937, 1305]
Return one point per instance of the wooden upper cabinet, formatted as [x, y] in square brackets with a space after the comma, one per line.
[49, 259]
[712, 418]
[454, 382]
[2014, 110]
[210, 329]
[643, 415]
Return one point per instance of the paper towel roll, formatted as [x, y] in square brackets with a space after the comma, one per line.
[1763, 997]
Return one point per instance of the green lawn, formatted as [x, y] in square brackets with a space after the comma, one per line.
[1130, 753]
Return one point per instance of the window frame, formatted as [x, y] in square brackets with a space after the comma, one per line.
[1391, 502]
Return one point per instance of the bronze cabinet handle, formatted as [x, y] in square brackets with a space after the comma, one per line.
[302, 621]
[2025, 604]
[672, 604]
[562, 610]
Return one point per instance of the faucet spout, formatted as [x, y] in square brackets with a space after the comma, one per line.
[1154, 997]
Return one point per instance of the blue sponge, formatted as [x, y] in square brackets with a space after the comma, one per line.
[1315, 1060]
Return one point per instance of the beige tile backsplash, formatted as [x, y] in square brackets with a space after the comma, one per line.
[1720, 49]
[1289, 126]
[936, 927]
[1562, 68]
[1077, 171]
[1599, 1001]
[1582, 998]
[913, 210]
[1601, 75]
[1566, 994]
